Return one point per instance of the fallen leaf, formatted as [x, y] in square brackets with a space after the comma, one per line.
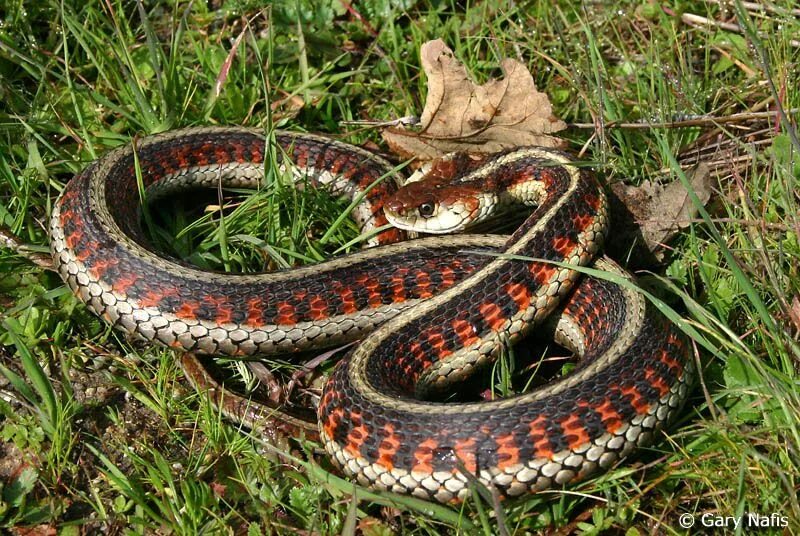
[794, 313]
[287, 107]
[272, 385]
[219, 489]
[36, 530]
[671, 208]
[370, 526]
[460, 115]
[647, 216]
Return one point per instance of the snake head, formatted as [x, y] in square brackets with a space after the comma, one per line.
[413, 201]
[436, 205]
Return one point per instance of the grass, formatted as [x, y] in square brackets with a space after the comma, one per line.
[128, 447]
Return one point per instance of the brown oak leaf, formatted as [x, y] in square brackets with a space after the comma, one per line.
[648, 216]
[460, 115]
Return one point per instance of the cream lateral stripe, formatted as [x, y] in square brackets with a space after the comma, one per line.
[360, 356]
[568, 334]
[528, 152]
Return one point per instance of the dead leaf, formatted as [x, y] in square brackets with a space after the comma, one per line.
[219, 489]
[671, 207]
[646, 217]
[287, 107]
[371, 526]
[794, 313]
[461, 115]
[36, 530]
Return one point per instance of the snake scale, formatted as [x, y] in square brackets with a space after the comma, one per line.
[428, 312]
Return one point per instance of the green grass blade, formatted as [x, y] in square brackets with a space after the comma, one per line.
[36, 375]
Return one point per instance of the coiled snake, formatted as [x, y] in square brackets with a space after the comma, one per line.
[428, 312]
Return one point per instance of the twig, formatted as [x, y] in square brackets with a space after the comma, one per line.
[693, 122]
[9, 240]
[697, 21]
[364, 22]
[754, 6]
[312, 365]
[750, 223]
[407, 121]
[704, 146]
[267, 379]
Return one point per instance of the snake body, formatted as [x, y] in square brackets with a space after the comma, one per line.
[429, 312]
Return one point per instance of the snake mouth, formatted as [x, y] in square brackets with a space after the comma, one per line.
[446, 222]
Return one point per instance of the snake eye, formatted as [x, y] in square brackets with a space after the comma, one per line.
[426, 210]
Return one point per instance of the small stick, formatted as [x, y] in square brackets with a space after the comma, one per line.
[750, 223]
[364, 22]
[9, 240]
[696, 20]
[703, 22]
[311, 365]
[754, 6]
[694, 122]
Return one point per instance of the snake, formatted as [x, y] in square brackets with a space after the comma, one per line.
[428, 313]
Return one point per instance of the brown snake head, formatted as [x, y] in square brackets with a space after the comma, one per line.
[459, 192]
[437, 205]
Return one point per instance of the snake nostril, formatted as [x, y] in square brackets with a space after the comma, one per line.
[393, 205]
